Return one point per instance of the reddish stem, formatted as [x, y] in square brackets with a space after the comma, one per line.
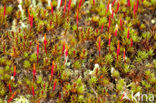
[129, 3]
[113, 2]
[34, 71]
[51, 8]
[69, 5]
[10, 88]
[131, 42]
[14, 74]
[37, 52]
[99, 46]
[65, 7]
[33, 92]
[54, 86]
[128, 34]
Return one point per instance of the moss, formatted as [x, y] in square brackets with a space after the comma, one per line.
[27, 64]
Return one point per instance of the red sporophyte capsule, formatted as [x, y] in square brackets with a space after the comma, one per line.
[45, 43]
[134, 8]
[10, 99]
[120, 22]
[129, 3]
[61, 3]
[14, 74]
[9, 88]
[54, 86]
[113, 2]
[33, 92]
[93, 2]
[63, 47]
[137, 5]
[51, 8]
[31, 21]
[109, 22]
[74, 52]
[99, 44]
[77, 18]
[118, 49]
[112, 13]
[69, 5]
[131, 42]
[118, 5]
[107, 7]
[97, 30]
[109, 43]
[66, 51]
[59, 95]
[52, 70]
[116, 32]
[66, 54]
[65, 7]
[128, 34]
[34, 71]
[37, 51]
[124, 54]
[80, 3]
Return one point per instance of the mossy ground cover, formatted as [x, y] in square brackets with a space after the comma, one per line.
[77, 51]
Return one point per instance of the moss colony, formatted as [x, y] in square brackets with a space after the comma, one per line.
[77, 51]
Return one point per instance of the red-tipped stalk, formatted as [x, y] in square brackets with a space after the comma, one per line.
[118, 49]
[37, 52]
[45, 43]
[134, 9]
[93, 2]
[31, 22]
[77, 18]
[118, 5]
[109, 23]
[120, 22]
[10, 99]
[99, 45]
[116, 32]
[102, 28]
[128, 33]
[80, 3]
[52, 9]
[65, 7]
[30, 19]
[69, 5]
[66, 54]
[4, 10]
[113, 2]
[33, 92]
[14, 74]
[131, 42]
[112, 13]
[54, 86]
[34, 71]
[129, 3]
[52, 70]
[63, 47]
[9, 88]
[109, 43]
[107, 7]
[124, 55]
[61, 3]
